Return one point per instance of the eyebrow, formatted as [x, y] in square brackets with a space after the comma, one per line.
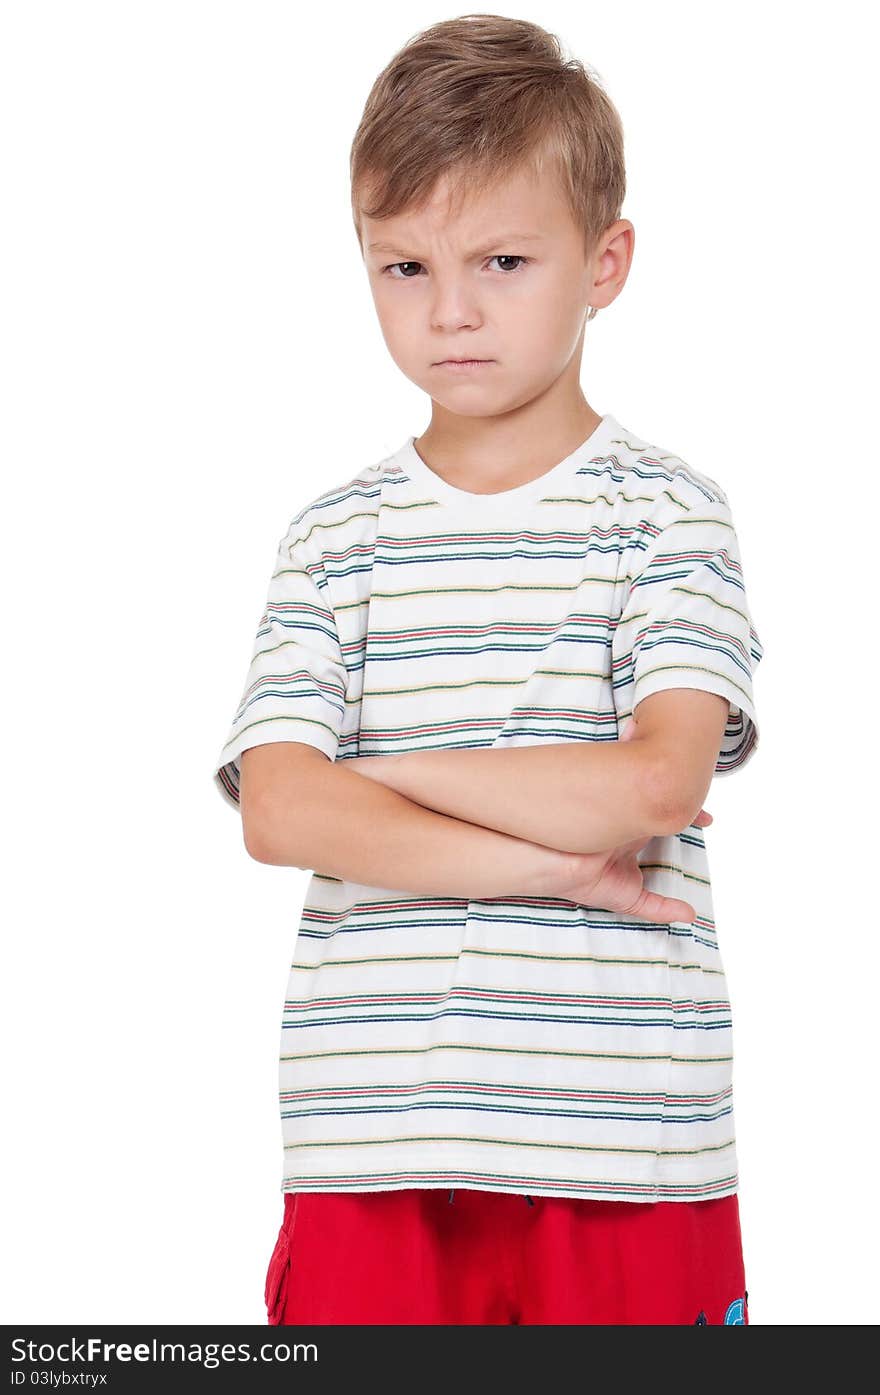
[476, 252]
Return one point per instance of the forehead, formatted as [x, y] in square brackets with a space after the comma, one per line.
[527, 202]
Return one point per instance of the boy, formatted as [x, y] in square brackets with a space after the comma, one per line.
[493, 669]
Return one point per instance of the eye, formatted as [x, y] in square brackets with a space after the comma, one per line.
[387, 269]
[510, 257]
[499, 257]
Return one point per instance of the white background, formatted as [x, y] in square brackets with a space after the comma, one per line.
[189, 355]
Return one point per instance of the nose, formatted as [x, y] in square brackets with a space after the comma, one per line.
[452, 310]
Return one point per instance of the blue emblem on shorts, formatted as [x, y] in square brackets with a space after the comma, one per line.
[735, 1315]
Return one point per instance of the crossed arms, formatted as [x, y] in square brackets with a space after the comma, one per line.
[528, 820]
[584, 797]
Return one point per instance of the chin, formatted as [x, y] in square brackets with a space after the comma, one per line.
[468, 405]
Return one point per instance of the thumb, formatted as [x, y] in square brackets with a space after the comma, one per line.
[650, 905]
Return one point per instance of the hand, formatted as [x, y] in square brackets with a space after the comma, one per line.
[614, 880]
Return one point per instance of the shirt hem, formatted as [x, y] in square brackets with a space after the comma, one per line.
[633, 1191]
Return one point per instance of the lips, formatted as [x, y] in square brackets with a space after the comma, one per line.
[464, 365]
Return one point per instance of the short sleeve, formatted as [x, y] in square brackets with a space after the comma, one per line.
[686, 623]
[296, 685]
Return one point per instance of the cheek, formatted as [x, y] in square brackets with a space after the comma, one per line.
[535, 304]
[555, 326]
[394, 321]
[539, 330]
[561, 306]
[405, 339]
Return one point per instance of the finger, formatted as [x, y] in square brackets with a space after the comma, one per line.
[650, 905]
[703, 818]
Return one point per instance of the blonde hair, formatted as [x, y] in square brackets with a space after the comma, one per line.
[475, 99]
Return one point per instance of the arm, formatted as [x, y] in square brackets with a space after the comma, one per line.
[299, 809]
[580, 797]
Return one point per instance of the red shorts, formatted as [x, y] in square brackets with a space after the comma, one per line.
[427, 1256]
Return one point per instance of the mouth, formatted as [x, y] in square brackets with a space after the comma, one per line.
[463, 362]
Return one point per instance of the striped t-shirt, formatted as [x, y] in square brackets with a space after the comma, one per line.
[516, 1043]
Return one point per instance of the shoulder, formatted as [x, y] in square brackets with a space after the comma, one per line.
[663, 485]
[341, 515]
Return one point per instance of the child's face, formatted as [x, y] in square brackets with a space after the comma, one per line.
[505, 280]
